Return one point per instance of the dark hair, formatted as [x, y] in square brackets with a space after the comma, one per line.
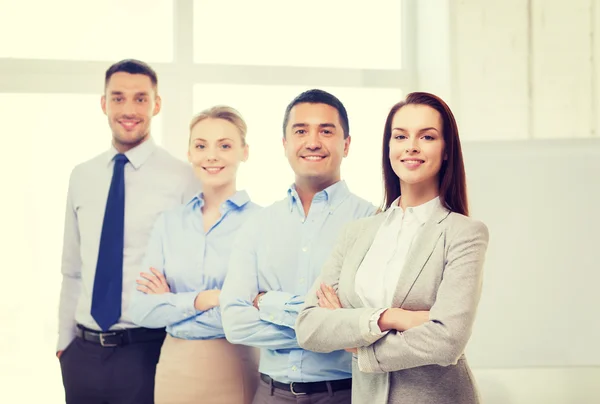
[316, 96]
[453, 187]
[131, 66]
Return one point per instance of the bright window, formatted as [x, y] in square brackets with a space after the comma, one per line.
[309, 33]
[87, 30]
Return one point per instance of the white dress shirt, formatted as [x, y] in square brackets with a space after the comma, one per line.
[154, 181]
[378, 274]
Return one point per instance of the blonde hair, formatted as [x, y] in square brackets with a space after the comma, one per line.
[224, 112]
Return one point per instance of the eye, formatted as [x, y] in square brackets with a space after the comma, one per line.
[117, 99]
[300, 132]
[428, 137]
[226, 146]
[327, 132]
[199, 146]
[141, 99]
[399, 137]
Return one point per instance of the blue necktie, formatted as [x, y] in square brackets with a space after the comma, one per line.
[108, 281]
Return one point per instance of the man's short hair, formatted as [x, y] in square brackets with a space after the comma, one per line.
[131, 66]
[316, 96]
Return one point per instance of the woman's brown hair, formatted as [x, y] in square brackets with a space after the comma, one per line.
[453, 187]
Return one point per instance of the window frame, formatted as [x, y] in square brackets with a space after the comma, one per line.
[177, 78]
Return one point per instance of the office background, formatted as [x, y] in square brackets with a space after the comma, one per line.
[522, 76]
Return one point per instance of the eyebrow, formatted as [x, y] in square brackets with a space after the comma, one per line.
[218, 140]
[321, 125]
[144, 93]
[420, 130]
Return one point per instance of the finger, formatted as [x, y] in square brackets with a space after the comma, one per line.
[145, 289]
[151, 278]
[331, 297]
[159, 275]
[334, 296]
[150, 287]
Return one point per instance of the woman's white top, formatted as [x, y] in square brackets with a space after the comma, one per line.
[378, 274]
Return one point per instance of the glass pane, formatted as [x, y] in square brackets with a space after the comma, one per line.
[316, 33]
[45, 136]
[263, 108]
[87, 30]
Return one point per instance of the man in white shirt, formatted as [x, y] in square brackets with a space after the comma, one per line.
[112, 203]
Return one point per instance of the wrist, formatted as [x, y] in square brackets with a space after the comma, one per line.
[393, 319]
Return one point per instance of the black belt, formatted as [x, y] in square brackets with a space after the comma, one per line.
[120, 337]
[300, 389]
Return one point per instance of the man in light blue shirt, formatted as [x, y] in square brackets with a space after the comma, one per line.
[279, 253]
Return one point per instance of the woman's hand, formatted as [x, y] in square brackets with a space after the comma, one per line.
[401, 320]
[328, 299]
[153, 283]
[207, 299]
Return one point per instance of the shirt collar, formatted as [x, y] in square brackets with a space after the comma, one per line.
[236, 201]
[137, 155]
[333, 195]
[422, 212]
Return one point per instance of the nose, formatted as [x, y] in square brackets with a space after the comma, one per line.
[412, 146]
[312, 141]
[129, 109]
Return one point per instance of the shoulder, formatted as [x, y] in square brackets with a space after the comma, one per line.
[360, 206]
[83, 172]
[354, 229]
[259, 217]
[167, 160]
[458, 225]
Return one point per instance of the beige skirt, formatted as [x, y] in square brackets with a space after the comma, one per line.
[205, 371]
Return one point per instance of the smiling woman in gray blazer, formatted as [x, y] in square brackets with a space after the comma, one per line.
[401, 288]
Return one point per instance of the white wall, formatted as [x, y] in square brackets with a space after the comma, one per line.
[510, 70]
[514, 69]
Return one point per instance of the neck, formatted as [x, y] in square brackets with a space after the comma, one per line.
[125, 147]
[215, 196]
[417, 194]
[307, 189]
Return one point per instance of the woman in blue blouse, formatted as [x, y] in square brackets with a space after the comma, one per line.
[184, 269]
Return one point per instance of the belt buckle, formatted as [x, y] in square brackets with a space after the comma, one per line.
[294, 392]
[108, 334]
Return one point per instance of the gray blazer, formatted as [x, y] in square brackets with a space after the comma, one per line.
[425, 364]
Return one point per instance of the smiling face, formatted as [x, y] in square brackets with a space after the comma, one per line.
[417, 146]
[314, 144]
[216, 150]
[129, 102]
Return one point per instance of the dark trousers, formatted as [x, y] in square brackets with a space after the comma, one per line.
[267, 394]
[93, 374]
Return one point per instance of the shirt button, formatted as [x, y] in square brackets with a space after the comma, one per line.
[302, 220]
[294, 368]
[304, 249]
[301, 280]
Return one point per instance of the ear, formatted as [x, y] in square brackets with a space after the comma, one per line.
[189, 155]
[347, 145]
[246, 152]
[284, 143]
[103, 103]
[157, 105]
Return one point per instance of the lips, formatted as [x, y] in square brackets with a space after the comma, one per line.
[313, 158]
[412, 163]
[129, 124]
[213, 170]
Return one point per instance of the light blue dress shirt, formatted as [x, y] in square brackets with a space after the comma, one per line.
[192, 261]
[281, 251]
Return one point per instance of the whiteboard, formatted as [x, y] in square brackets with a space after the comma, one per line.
[541, 295]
